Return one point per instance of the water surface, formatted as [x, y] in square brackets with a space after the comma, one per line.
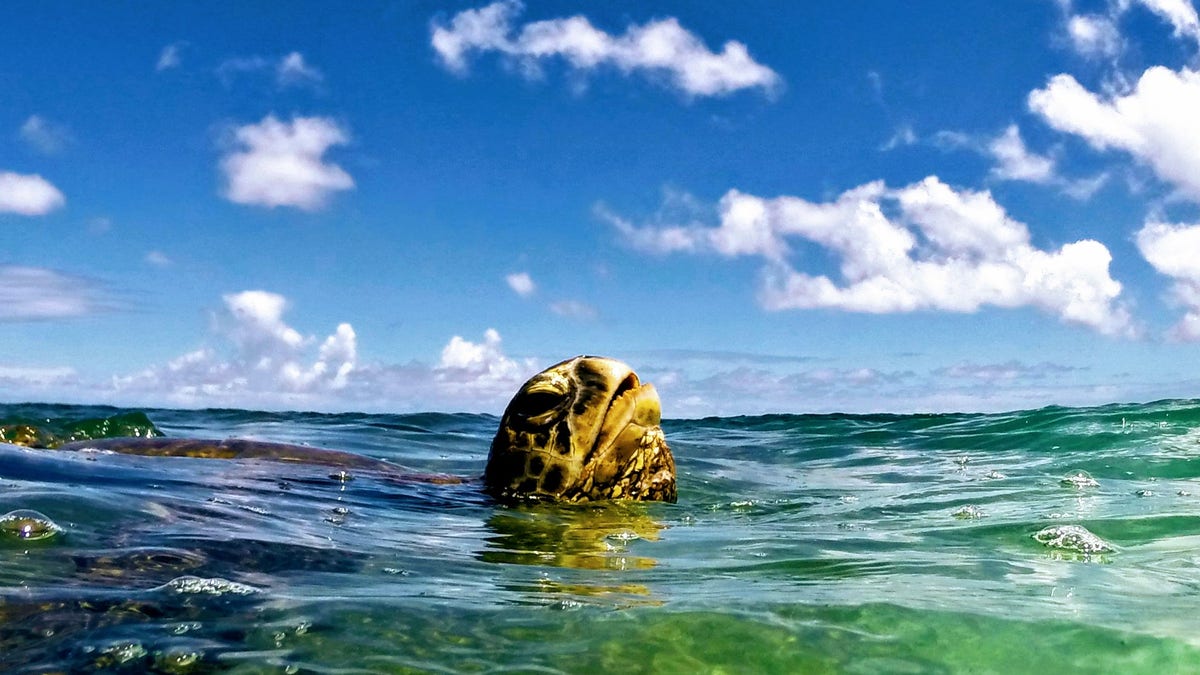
[830, 543]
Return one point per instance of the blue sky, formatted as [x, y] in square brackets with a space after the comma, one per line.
[763, 207]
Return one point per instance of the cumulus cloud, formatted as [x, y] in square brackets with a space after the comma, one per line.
[256, 359]
[1172, 250]
[474, 370]
[44, 136]
[269, 362]
[278, 163]
[521, 284]
[1158, 122]
[28, 194]
[36, 293]
[659, 48]
[944, 250]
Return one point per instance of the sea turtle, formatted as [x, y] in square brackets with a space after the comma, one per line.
[585, 429]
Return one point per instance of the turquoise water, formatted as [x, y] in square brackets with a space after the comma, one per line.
[831, 543]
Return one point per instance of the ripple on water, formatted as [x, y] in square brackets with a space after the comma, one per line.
[28, 525]
[1073, 538]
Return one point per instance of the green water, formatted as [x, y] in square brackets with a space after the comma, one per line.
[840, 544]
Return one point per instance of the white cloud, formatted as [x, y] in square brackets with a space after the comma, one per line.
[1094, 35]
[157, 259]
[168, 58]
[269, 364]
[472, 370]
[35, 377]
[36, 293]
[1179, 13]
[292, 71]
[289, 70]
[661, 47]
[946, 250]
[44, 136]
[28, 194]
[1172, 250]
[902, 137]
[282, 164]
[521, 284]
[1015, 162]
[1158, 122]
[573, 309]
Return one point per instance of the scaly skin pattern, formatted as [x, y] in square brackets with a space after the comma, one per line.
[585, 429]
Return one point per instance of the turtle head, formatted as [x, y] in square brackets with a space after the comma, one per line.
[585, 429]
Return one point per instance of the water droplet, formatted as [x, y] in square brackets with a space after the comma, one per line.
[1079, 479]
[1072, 538]
[28, 525]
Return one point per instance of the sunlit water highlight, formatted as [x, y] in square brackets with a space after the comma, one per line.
[1054, 540]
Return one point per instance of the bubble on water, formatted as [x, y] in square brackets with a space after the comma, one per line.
[968, 512]
[177, 660]
[205, 586]
[28, 525]
[1079, 479]
[1073, 538]
[119, 654]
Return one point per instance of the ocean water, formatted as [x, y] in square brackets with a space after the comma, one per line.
[1055, 540]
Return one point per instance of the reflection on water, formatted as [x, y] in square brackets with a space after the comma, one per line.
[585, 536]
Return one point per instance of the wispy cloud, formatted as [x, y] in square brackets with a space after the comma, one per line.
[157, 259]
[661, 47]
[28, 194]
[282, 163]
[169, 57]
[1014, 161]
[38, 293]
[574, 309]
[289, 70]
[947, 250]
[44, 136]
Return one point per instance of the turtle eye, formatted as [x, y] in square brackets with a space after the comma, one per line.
[536, 403]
